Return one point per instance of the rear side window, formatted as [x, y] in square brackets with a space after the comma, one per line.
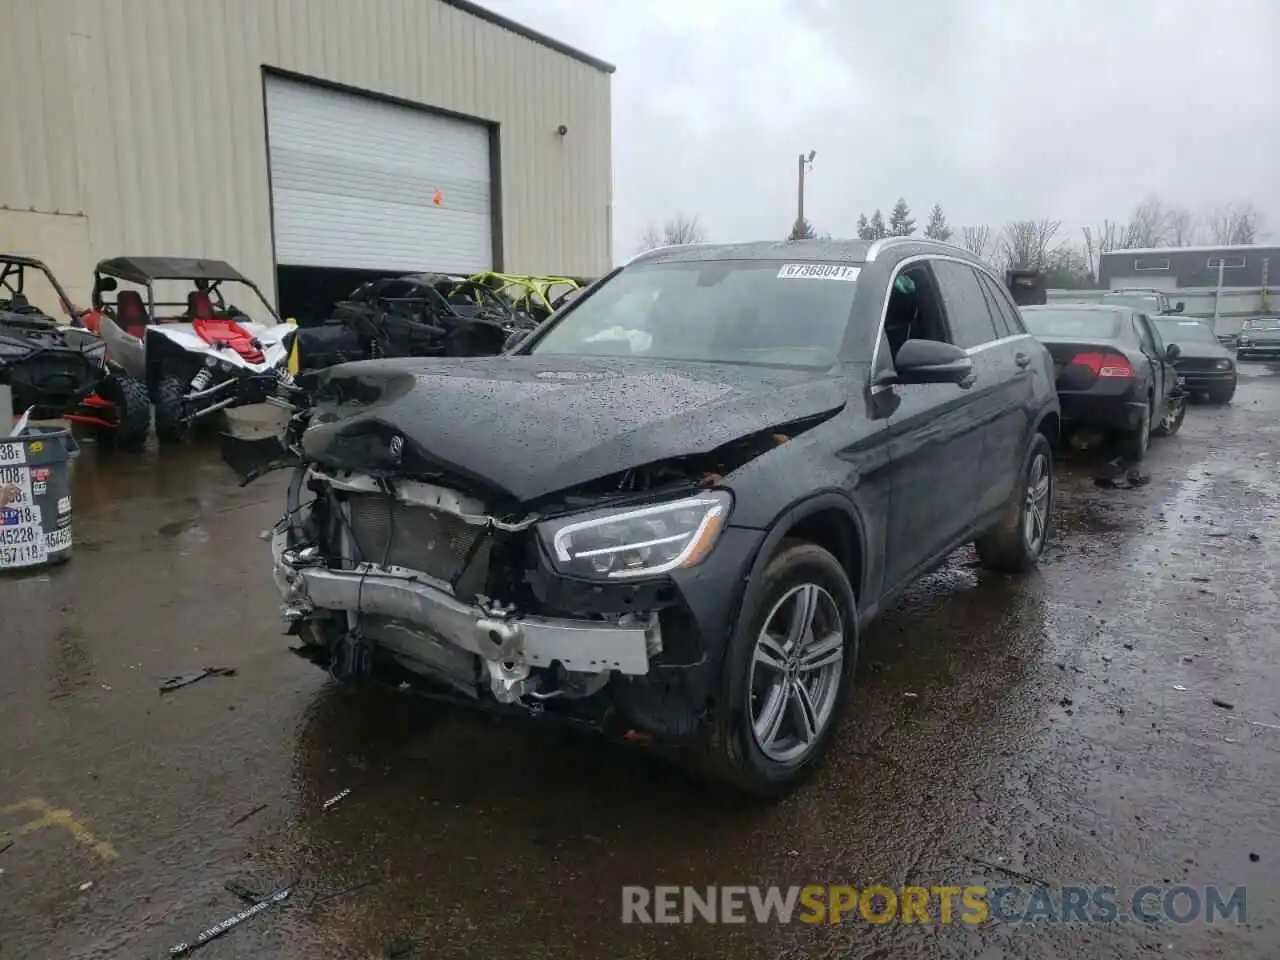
[1007, 317]
[1144, 335]
[967, 313]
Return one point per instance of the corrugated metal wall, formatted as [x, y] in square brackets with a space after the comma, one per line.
[147, 117]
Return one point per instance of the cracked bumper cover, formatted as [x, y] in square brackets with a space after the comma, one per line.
[586, 646]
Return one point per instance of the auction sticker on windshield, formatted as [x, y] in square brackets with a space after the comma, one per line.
[818, 271]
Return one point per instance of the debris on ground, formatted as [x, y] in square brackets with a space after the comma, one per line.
[1178, 686]
[1200, 579]
[5, 845]
[254, 812]
[86, 885]
[317, 899]
[1254, 858]
[1016, 874]
[1224, 704]
[1252, 723]
[180, 680]
[218, 929]
[911, 696]
[337, 797]
[1117, 475]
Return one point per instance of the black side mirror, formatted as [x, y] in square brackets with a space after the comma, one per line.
[1173, 351]
[929, 361]
[1179, 307]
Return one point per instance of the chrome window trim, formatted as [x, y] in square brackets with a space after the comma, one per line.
[884, 306]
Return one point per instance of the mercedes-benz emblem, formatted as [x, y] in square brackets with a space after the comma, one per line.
[397, 448]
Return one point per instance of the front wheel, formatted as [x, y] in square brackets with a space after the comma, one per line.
[172, 425]
[786, 674]
[1015, 543]
[1175, 412]
[1222, 395]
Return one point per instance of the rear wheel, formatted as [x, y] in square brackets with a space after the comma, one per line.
[1134, 443]
[132, 410]
[1171, 422]
[171, 422]
[1015, 543]
[786, 675]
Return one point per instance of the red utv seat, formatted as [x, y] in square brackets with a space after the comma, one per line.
[131, 312]
[199, 306]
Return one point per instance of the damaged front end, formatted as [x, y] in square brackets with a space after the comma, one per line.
[378, 571]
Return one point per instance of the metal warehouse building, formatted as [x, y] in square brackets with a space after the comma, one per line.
[304, 141]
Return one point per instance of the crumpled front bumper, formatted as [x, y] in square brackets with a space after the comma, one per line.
[502, 639]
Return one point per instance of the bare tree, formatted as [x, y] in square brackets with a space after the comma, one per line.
[679, 229]
[1100, 240]
[1149, 225]
[977, 240]
[1024, 244]
[1183, 228]
[1234, 223]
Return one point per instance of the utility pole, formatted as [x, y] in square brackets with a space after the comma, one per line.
[804, 164]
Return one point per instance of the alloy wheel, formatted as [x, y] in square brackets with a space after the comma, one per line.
[1035, 515]
[796, 671]
[1172, 412]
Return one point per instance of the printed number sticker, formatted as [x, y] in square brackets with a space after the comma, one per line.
[19, 516]
[23, 556]
[818, 271]
[12, 453]
[57, 539]
[64, 505]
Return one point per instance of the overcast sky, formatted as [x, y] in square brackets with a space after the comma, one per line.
[994, 108]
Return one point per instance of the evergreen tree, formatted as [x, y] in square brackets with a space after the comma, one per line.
[877, 227]
[802, 230]
[864, 228]
[936, 228]
[900, 222]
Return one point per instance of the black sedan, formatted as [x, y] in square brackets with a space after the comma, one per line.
[670, 511]
[1206, 366]
[1113, 370]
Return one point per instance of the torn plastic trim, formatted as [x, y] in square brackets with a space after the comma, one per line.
[419, 493]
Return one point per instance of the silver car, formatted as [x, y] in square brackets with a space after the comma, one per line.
[1259, 338]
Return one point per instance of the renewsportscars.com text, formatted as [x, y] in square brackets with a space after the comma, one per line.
[817, 904]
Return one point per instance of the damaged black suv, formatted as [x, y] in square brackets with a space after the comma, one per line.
[670, 509]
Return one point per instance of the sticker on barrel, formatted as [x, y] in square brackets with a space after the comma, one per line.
[12, 453]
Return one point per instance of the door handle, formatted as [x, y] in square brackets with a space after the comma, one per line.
[1022, 359]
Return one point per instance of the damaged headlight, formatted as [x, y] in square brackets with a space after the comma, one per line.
[638, 541]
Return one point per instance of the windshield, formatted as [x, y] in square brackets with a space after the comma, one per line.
[1071, 323]
[1176, 331]
[1268, 324]
[1139, 301]
[762, 312]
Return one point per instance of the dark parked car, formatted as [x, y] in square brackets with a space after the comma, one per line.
[1205, 365]
[1113, 371]
[1259, 338]
[670, 512]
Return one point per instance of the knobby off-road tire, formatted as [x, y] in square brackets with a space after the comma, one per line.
[171, 425]
[1014, 545]
[733, 754]
[133, 410]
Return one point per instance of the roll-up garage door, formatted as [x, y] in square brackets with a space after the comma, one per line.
[361, 183]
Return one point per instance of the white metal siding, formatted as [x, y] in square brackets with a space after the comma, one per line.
[354, 183]
[147, 116]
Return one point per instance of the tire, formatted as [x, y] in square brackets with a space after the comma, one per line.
[1010, 546]
[1134, 443]
[1171, 422]
[733, 754]
[1221, 395]
[134, 409]
[171, 426]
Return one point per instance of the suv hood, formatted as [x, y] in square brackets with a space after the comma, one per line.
[528, 426]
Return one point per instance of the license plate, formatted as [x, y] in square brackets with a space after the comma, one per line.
[1182, 381]
[12, 453]
[23, 556]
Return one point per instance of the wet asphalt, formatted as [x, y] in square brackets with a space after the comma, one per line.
[1058, 727]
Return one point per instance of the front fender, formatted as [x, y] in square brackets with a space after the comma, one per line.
[125, 350]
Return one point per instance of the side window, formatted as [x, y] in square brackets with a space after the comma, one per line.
[1002, 322]
[1143, 335]
[1003, 305]
[971, 322]
[1153, 332]
[914, 309]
